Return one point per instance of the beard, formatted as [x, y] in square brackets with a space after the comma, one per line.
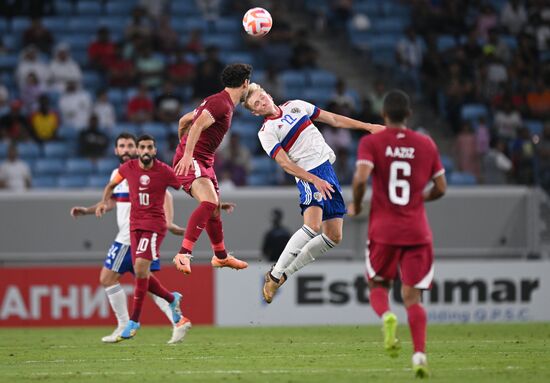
[124, 157]
[146, 159]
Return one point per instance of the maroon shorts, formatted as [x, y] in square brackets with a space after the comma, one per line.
[145, 244]
[415, 263]
[200, 169]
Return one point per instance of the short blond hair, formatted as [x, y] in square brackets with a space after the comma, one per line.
[252, 88]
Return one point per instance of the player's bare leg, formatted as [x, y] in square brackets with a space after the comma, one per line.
[417, 324]
[117, 299]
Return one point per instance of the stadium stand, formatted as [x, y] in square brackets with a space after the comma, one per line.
[460, 75]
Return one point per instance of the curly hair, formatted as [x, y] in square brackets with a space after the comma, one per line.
[234, 75]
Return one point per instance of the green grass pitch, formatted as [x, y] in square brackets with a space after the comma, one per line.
[457, 353]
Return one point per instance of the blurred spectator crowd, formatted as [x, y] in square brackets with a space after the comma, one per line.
[482, 65]
[76, 73]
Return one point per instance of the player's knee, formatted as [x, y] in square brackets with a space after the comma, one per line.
[379, 284]
[410, 295]
[335, 237]
[141, 273]
[106, 280]
[103, 281]
[315, 227]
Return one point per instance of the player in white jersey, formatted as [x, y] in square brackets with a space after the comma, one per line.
[289, 136]
[119, 258]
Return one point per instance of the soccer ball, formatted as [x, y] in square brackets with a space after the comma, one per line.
[257, 22]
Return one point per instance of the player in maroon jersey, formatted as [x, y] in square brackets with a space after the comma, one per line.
[402, 163]
[148, 179]
[201, 132]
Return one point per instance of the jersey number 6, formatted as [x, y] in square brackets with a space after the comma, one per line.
[395, 183]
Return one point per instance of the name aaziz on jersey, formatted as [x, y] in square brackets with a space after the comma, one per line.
[400, 152]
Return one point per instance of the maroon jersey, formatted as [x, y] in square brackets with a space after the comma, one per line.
[220, 107]
[147, 191]
[403, 163]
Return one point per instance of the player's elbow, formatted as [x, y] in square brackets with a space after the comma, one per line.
[335, 122]
[286, 166]
[437, 194]
[440, 187]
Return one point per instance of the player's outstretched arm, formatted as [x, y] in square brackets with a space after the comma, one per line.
[359, 187]
[184, 124]
[77, 211]
[339, 121]
[291, 168]
[202, 123]
[437, 190]
[169, 214]
[102, 206]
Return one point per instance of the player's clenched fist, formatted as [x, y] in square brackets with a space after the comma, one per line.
[78, 211]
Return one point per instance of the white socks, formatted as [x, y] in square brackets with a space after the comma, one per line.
[163, 305]
[292, 248]
[119, 304]
[313, 249]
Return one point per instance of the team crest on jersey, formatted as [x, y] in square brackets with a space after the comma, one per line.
[144, 180]
[318, 197]
[295, 110]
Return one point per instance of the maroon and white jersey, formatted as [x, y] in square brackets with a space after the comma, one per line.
[220, 107]
[147, 192]
[403, 162]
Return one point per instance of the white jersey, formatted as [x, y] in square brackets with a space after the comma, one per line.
[121, 194]
[293, 131]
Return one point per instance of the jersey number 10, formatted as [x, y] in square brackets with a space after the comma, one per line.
[395, 183]
[144, 199]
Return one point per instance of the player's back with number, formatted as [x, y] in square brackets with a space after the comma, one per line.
[403, 163]
[147, 193]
